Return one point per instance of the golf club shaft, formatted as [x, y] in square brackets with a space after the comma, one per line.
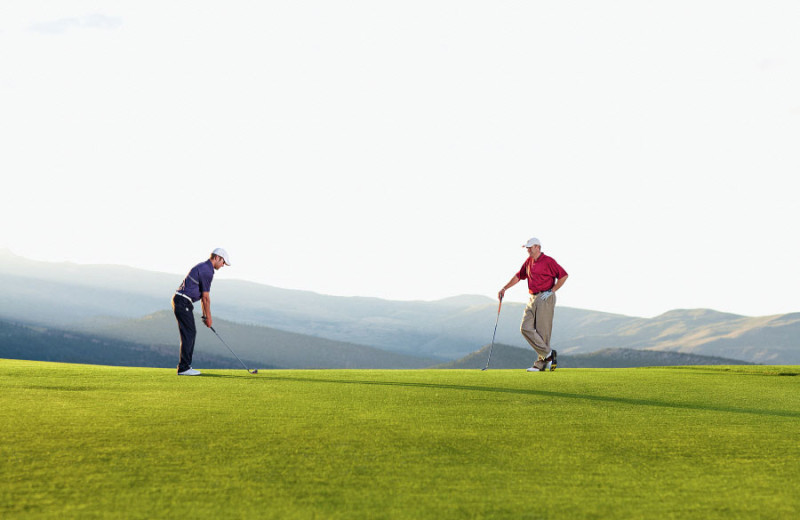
[229, 348]
[496, 321]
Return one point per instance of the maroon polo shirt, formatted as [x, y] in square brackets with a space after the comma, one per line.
[541, 274]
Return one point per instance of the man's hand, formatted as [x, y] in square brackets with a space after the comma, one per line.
[208, 321]
[511, 283]
[545, 295]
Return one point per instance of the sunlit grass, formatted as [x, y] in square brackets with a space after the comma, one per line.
[90, 442]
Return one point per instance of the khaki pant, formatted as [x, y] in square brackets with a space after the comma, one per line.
[537, 325]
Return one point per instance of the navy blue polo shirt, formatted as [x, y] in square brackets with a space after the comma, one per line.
[198, 280]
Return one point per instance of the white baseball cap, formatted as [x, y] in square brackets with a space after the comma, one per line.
[533, 242]
[222, 253]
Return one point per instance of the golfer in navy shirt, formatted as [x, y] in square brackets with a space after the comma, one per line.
[196, 286]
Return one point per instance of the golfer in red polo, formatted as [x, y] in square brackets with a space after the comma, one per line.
[544, 277]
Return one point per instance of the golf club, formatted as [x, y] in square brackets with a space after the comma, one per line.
[254, 371]
[493, 335]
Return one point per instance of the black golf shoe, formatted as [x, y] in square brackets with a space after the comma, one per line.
[553, 359]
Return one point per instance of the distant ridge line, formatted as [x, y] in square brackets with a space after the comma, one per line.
[510, 357]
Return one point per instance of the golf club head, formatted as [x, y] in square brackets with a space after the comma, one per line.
[254, 371]
[484, 368]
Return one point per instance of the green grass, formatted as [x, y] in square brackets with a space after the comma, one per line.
[103, 442]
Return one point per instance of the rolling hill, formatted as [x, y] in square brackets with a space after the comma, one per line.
[765, 340]
[441, 330]
[508, 357]
[264, 345]
[36, 343]
[152, 341]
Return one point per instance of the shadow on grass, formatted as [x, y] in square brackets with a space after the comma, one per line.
[228, 376]
[560, 395]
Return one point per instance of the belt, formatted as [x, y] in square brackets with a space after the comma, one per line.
[181, 294]
[538, 293]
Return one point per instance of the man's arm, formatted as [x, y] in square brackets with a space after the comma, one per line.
[511, 283]
[206, 302]
[559, 283]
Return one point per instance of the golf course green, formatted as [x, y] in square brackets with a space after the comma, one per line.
[80, 441]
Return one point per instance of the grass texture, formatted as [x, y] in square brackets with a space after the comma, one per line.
[107, 442]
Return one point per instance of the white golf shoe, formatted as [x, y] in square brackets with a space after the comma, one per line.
[534, 369]
[190, 372]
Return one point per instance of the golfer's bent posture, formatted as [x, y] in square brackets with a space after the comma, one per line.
[544, 277]
[196, 286]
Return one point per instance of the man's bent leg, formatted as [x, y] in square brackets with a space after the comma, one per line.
[528, 328]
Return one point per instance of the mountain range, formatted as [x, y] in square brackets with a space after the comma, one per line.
[278, 327]
[506, 356]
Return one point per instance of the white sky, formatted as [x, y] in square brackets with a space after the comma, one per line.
[406, 149]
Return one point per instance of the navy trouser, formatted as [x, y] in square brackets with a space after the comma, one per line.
[184, 313]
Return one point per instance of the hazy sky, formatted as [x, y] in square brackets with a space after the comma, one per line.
[407, 149]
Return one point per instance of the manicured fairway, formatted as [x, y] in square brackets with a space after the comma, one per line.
[103, 442]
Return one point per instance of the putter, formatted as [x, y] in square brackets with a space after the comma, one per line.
[493, 335]
[254, 371]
